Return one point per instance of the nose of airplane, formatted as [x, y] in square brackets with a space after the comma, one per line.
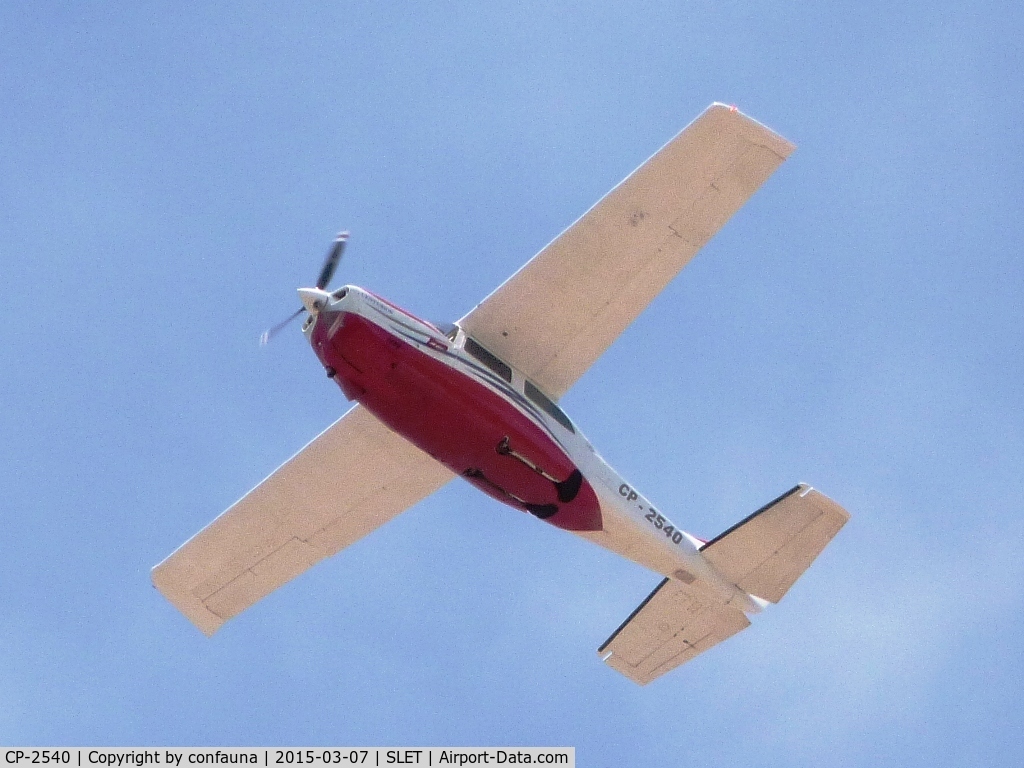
[313, 299]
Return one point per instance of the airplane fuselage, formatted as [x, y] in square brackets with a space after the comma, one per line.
[436, 401]
[489, 424]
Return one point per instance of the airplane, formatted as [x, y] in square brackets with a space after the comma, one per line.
[478, 399]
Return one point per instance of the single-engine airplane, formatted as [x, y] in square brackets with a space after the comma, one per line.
[479, 400]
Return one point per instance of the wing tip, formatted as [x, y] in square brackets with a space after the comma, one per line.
[780, 145]
[192, 608]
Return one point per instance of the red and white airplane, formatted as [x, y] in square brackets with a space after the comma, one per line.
[478, 400]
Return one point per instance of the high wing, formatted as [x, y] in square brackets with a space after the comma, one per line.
[351, 479]
[559, 313]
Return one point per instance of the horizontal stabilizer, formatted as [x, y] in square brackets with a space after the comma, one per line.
[674, 624]
[767, 552]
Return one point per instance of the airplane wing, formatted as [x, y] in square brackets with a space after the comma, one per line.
[676, 622]
[558, 314]
[351, 479]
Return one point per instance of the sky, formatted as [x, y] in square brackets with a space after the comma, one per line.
[171, 173]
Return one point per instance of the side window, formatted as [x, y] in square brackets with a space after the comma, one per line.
[488, 359]
[553, 410]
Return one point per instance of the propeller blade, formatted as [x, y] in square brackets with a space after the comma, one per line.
[331, 262]
[326, 273]
[271, 333]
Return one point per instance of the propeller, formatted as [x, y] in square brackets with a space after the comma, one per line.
[332, 260]
[326, 273]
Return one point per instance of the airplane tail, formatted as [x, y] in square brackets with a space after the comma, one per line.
[768, 551]
[763, 555]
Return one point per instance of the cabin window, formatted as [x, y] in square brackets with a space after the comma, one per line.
[488, 359]
[553, 410]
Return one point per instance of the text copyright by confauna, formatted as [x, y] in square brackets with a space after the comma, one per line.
[188, 757]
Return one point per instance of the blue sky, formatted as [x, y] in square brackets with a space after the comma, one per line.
[172, 172]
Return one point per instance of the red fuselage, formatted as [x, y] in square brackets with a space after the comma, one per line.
[474, 430]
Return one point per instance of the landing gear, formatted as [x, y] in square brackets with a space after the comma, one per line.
[566, 489]
[543, 511]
